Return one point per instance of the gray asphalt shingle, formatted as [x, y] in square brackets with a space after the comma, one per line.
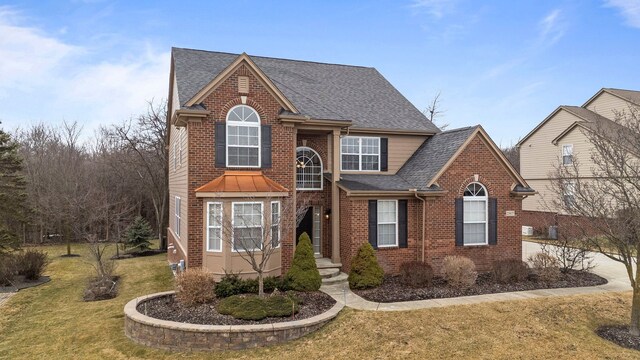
[322, 91]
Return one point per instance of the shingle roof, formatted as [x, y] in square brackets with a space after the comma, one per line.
[583, 113]
[419, 170]
[433, 154]
[630, 95]
[321, 91]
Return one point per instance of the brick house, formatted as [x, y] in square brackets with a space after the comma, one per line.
[332, 150]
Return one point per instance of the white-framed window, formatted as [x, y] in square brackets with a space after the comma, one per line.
[247, 218]
[360, 153]
[387, 223]
[177, 215]
[214, 226]
[569, 193]
[475, 215]
[567, 154]
[275, 224]
[308, 169]
[243, 137]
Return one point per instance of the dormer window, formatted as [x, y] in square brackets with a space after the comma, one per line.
[243, 137]
[360, 153]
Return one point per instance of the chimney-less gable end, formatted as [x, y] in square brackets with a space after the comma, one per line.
[243, 84]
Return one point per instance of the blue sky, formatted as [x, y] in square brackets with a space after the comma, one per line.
[503, 64]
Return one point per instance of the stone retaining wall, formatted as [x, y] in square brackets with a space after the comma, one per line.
[172, 335]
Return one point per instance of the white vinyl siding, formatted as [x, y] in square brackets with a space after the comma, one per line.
[214, 226]
[387, 223]
[360, 153]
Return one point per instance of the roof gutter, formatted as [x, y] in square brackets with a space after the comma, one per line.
[181, 116]
[424, 205]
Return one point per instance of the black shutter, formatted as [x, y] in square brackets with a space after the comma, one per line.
[221, 144]
[373, 223]
[265, 132]
[384, 154]
[402, 223]
[459, 222]
[493, 221]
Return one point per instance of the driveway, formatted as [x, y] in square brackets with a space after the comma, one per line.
[611, 270]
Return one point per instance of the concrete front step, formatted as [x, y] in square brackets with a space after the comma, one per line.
[329, 272]
[324, 263]
[340, 278]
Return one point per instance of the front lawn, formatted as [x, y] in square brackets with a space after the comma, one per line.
[52, 322]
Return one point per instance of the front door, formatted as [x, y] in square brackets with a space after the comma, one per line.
[311, 225]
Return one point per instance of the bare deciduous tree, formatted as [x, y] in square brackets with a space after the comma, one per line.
[434, 112]
[512, 154]
[603, 199]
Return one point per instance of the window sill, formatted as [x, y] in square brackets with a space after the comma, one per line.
[388, 247]
[475, 245]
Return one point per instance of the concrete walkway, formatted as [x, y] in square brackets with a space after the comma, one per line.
[4, 297]
[613, 271]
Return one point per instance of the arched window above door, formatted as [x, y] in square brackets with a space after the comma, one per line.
[308, 169]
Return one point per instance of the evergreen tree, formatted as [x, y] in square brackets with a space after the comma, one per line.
[12, 192]
[303, 274]
[138, 235]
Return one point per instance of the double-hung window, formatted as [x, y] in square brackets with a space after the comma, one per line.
[177, 215]
[360, 153]
[475, 215]
[214, 226]
[243, 137]
[275, 224]
[247, 226]
[567, 154]
[387, 223]
[569, 193]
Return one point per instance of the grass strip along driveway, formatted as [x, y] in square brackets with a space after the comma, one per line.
[52, 322]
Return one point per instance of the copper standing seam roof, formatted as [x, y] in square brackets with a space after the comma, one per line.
[242, 181]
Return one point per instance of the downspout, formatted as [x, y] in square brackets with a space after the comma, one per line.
[424, 204]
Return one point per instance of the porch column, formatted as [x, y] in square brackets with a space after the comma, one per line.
[335, 199]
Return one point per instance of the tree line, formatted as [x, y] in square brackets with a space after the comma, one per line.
[58, 183]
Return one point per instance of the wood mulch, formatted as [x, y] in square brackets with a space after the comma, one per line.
[168, 308]
[619, 335]
[138, 254]
[392, 290]
[21, 283]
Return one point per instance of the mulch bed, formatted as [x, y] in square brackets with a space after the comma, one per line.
[392, 290]
[98, 289]
[620, 336]
[21, 283]
[138, 254]
[167, 308]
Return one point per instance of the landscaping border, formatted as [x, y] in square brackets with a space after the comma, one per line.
[171, 335]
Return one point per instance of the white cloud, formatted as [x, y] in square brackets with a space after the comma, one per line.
[552, 27]
[435, 8]
[47, 79]
[629, 9]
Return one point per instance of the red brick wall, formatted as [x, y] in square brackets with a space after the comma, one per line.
[440, 217]
[202, 156]
[478, 159]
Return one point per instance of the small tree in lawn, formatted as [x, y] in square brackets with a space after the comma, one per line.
[256, 230]
[138, 235]
[303, 274]
[607, 194]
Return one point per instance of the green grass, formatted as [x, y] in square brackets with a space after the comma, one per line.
[52, 322]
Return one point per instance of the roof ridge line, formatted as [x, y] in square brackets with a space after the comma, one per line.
[275, 58]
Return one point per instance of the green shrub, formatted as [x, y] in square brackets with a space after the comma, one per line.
[195, 286]
[138, 235]
[303, 274]
[365, 270]
[232, 284]
[8, 269]
[31, 263]
[459, 271]
[510, 271]
[416, 274]
[252, 307]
